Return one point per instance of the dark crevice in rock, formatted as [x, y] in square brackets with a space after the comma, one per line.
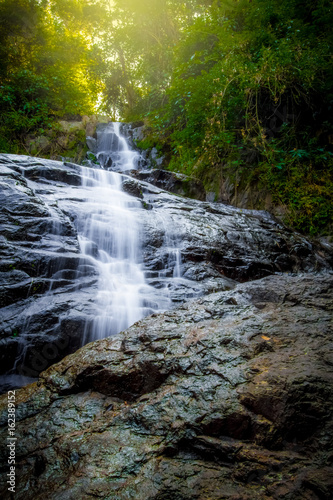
[235, 426]
[128, 387]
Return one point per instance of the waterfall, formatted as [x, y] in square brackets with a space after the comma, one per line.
[113, 150]
[95, 279]
[110, 239]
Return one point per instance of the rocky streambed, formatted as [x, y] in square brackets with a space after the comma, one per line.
[224, 391]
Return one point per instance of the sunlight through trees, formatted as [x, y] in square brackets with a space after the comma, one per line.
[234, 88]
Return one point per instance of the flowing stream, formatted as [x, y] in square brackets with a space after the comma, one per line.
[91, 250]
[111, 239]
[116, 288]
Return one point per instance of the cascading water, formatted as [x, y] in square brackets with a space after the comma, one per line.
[114, 288]
[111, 240]
[113, 150]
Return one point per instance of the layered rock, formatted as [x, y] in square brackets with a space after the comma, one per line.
[239, 244]
[48, 285]
[227, 397]
[41, 266]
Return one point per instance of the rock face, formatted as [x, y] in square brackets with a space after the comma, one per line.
[239, 244]
[172, 182]
[227, 397]
[38, 240]
[189, 248]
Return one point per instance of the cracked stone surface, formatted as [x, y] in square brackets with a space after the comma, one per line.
[47, 285]
[228, 396]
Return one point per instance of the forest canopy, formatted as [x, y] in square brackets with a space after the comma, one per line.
[236, 88]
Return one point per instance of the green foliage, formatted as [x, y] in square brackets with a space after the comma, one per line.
[92, 157]
[250, 85]
[230, 88]
[49, 65]
[23, 102]
[302, 180]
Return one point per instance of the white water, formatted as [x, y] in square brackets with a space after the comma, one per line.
[113, 150]
[111, 240]
[109, 228]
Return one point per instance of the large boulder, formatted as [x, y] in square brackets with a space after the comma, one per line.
[226, 397]
[238, 244]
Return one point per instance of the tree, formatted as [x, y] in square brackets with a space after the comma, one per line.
[49, 63]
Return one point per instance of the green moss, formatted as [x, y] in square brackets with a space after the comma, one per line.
[147, 143]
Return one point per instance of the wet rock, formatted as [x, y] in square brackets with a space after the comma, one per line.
[138, 133]
[173, 182]
[189, 248]
[216, 399]
[155, 158]
[38, 240]
[92, 144]
[133, 131]
[238, 244]
[52, 173]
[131, 187]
